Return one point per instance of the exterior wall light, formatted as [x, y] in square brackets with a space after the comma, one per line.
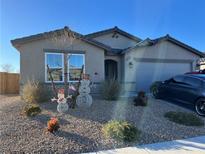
[130, 65]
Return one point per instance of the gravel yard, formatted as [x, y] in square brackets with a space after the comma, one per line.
[80, 129]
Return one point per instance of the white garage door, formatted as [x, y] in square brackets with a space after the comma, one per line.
[145, 73]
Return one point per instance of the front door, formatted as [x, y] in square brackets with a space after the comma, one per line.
[110, 69]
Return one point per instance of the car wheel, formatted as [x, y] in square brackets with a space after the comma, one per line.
[200, 106]
[155, 92]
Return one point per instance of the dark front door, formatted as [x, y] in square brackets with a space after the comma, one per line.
[110, 69]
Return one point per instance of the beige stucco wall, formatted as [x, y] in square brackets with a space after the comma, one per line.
[164, 51]
[121, 42]
[32, 59]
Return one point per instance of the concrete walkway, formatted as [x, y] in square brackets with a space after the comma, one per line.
[194, 145]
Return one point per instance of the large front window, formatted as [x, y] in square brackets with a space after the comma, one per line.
[75, 62]
[56, 65]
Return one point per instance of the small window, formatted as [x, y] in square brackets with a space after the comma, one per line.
[75, 62]
[193, 82]
[55, 63]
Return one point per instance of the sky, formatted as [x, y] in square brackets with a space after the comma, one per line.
[182, 19]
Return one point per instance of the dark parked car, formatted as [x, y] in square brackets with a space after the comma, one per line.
[184, 88]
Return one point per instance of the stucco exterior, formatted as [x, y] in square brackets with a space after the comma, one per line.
[121, 42]
[32, 59]
[160, 61]
[139, 62]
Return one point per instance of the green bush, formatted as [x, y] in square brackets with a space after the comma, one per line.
[31, 110]
[183, 118]
[121, 131]
[34, 92]
[110, 89]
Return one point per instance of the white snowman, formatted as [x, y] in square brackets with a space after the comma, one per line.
[84, 98]
[62, 102]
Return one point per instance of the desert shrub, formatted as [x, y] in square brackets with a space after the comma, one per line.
[34, 92]
[121, 131]
[141, 99]
[53, 125]
[110, 89]
[31, 110]
[183, 118]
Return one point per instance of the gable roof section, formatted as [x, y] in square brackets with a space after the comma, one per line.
[40, 36]
[111, 30]
[149, 42]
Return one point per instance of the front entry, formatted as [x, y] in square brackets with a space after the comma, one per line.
[111, 69]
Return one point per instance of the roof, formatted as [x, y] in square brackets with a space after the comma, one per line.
[40, 36]
[149, 42]
[111, 30]
[89, 39]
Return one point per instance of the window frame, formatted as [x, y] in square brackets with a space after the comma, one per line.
[62, 56]
[68, 67]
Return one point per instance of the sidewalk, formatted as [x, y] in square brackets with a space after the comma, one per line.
[194, 145]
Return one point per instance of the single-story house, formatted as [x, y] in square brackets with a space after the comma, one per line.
[106, 54]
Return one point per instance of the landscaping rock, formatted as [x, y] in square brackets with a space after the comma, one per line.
[80, 129]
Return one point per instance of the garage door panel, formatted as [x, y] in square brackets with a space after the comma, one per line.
[145, 73]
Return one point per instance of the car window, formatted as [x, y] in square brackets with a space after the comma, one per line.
[178, 78]
[193, 82]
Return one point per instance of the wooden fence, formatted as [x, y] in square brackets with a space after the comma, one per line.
[9, 83]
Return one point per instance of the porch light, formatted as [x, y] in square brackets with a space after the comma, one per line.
[130, 65]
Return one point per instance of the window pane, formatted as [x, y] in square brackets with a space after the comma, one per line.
[74, 74]
[54, 60]
[75, 61]
[56, 73]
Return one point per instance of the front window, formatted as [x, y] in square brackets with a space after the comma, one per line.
[56, 66]
[55, 63]
[75, 62]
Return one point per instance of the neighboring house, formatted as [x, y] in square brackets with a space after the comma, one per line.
[202, 64]
[107, 54]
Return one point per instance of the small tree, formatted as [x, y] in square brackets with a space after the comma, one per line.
[62, 39]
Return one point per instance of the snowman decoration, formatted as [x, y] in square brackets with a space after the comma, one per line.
[62, 102]
[84, 98]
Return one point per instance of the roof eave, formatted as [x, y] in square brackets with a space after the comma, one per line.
[21, 41]
[193, 50]
[115, 29]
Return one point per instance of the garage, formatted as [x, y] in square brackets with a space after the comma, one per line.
[158, 61]
[148, 72]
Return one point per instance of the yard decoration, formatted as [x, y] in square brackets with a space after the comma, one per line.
[84, 99]
[141, 99]
[62, 101]
[53, 125]
[73, 97]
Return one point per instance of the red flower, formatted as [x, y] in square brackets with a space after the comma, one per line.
[53, 125]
